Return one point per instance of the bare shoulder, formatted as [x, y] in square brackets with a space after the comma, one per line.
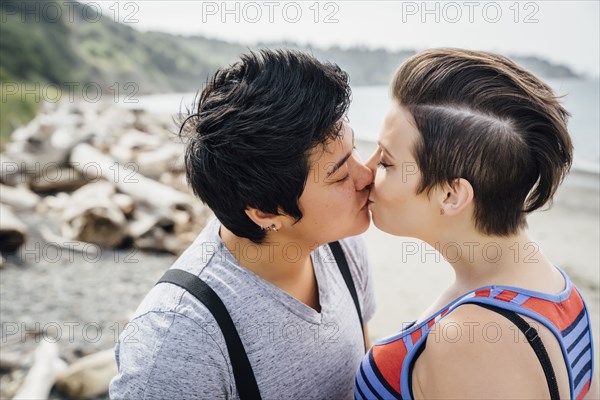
[476, 353]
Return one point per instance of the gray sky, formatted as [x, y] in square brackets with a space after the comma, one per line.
[562, 31]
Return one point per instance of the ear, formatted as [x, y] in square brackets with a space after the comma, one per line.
[456, 197]
[264, 220]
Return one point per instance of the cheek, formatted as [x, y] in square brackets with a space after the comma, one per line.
[342, 198]
[385, 189]
[340, 193]
[321, 206]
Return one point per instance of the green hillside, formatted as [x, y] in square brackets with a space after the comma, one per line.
[37, 47]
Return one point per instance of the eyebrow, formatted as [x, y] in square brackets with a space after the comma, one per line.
[343, 160]
[385, 150]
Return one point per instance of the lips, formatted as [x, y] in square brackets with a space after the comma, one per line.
[365, 205]
[368, 199]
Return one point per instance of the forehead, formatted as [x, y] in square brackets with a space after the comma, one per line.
[399, 131]
[323, 156]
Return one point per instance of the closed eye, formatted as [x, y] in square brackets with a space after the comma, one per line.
[343, 179]
[382, 165]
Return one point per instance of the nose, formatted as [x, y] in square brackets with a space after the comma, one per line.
[363, 176]
[371, 163]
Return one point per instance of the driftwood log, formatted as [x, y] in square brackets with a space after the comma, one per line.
[89, 376]
[13, 232]
[162, 217]
[11, 360]
[124, 202]
[157, 231]
[9, 171]
[133, 142]
[19, 198]
[91, 250]
[10, 383]
[54, 205]
[42, 374]
[93, 217]
[56, 178]
[168, 157]
[38, 143]
[131, 182]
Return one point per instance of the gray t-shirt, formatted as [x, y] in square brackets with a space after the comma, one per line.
[172, 348]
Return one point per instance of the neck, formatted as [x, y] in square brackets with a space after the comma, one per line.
[280, 261]
[480, 260]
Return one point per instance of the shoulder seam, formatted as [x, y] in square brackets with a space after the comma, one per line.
[175, 314]
[154, 352]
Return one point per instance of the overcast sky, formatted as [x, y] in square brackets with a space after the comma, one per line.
[562, 31]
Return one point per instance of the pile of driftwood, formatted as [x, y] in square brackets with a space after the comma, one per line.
[109, 175]
[85, 377]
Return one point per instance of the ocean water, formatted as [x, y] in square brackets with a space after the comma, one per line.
[371, 103]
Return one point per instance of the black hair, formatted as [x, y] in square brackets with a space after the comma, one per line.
[256, 124]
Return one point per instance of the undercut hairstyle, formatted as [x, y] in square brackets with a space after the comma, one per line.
[483, 118]
[256, 124]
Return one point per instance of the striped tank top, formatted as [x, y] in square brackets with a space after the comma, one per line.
[385, 372]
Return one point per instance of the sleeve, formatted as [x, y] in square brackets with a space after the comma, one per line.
[360, 267]
[167, 355]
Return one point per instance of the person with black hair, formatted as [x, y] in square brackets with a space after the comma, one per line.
[273, 297]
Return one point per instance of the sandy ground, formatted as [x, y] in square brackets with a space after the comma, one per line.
[568, 233]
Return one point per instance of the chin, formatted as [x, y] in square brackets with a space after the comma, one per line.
[381, 225]
[364, 226]
[360, 227]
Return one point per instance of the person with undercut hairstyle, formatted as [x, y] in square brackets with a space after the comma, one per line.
[472, 144]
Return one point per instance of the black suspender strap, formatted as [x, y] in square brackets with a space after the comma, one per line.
[340, 259]
[242, 370]
[536, 343]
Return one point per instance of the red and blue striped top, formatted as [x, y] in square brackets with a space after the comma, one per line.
[385, 370]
